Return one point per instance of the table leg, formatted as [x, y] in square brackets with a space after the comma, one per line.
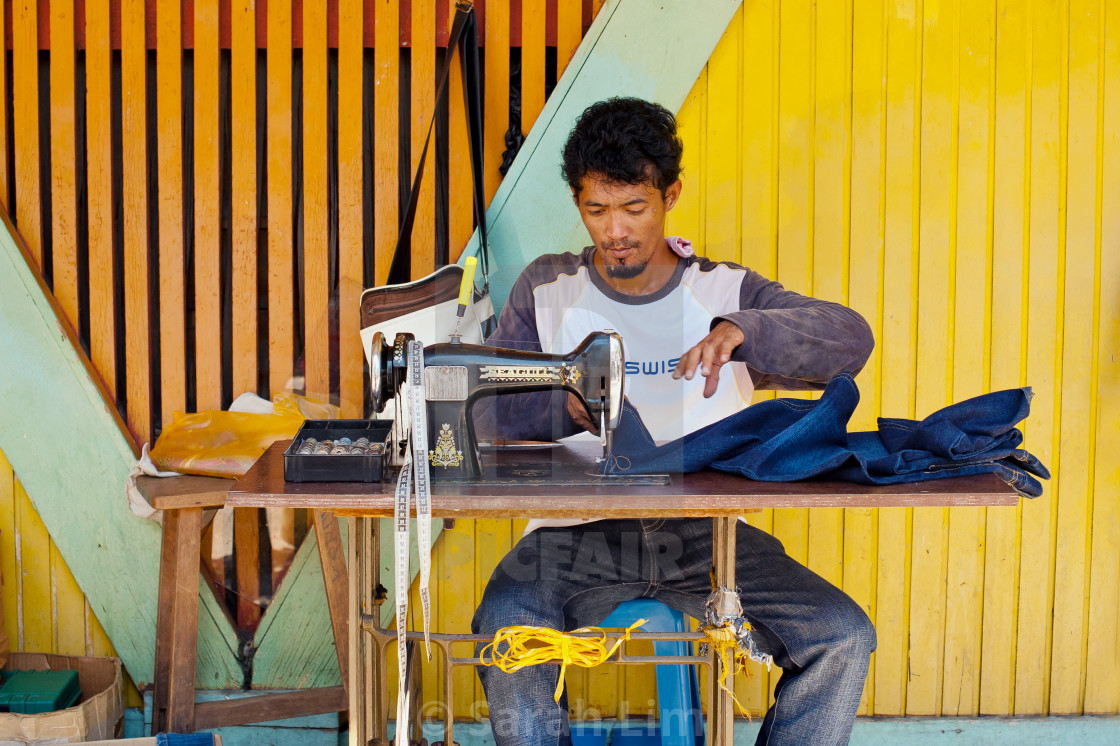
[721, 721]
[355, 678]
[164, 621]
[373, 661]
[448, 696]
[333, 560]
[177, 621]
[415, 690]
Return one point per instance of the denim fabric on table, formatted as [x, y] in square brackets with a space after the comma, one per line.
[784, 440]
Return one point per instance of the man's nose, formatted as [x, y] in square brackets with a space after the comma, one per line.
[616, 227]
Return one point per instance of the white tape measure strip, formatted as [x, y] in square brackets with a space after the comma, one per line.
[400, 548]
[423, 483]
[415, 467]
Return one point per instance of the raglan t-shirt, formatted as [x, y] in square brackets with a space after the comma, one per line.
[790, 341]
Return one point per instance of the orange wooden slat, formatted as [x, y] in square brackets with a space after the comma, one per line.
[172, 324]
[99, 190]
[5, 198]
[532, 61]
[280, 245]
[404, 37]
[460, 199]
[496, 104]
[207, 209]
[569, 31]
[316, 298]
[25, 125]
[243, 99]
[386, 100]
[64, 189]
[423, 104]
[137, 311]
[351, 360]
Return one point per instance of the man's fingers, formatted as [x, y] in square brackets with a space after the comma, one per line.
[713, 360]
[686, 368]
[709, 358]
[711, 382]
[710, 355]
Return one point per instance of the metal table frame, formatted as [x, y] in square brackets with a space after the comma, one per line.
[371, 659]
[722, 497]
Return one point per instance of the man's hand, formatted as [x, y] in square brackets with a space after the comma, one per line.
[710, 354]
[579, 414]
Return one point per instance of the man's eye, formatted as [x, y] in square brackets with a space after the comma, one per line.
[596, 212]
[636, 212]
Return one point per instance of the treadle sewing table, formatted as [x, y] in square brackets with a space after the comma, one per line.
[722, 497]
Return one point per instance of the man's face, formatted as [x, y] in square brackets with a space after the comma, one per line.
[626, 222]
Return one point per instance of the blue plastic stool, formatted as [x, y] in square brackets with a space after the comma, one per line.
[678, 691]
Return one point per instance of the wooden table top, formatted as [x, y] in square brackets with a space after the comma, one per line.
[706, 493]
[186, 491]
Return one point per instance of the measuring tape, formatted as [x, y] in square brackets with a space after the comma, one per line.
[413, 470]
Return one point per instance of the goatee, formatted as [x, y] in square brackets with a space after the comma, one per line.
[621, 271]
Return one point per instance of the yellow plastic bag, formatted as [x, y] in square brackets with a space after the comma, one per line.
[225, 444]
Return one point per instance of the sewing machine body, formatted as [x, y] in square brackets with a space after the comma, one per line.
[457, 376]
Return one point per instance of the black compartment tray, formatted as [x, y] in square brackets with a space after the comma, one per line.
[343, 467]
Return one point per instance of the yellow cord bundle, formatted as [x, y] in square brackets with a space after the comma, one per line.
[533, 646]
[731, 660]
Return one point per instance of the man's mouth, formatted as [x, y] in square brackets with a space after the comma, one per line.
[619, 252]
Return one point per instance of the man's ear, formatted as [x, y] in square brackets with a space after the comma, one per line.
[575, 196]
[672, 194]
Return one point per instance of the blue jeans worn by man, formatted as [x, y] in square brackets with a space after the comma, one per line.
[570, 577]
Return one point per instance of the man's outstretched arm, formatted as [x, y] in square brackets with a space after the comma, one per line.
[787, 340]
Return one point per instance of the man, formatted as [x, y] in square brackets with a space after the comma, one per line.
[699, 336]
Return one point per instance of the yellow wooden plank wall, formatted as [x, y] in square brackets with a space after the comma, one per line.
[952, 171]
[43, 609]
[944, 168]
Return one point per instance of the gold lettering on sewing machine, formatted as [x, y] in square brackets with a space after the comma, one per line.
[445, 453]
[514, 373]
[445, 383]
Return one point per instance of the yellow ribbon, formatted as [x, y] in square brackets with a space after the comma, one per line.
[731, 660]
[534, 646]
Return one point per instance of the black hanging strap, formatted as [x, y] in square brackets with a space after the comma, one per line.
[464, 36]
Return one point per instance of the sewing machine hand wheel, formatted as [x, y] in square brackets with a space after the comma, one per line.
[387, 368]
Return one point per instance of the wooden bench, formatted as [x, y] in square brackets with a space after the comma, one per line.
[184, 501]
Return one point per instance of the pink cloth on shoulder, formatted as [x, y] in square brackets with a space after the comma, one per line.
[680, 246]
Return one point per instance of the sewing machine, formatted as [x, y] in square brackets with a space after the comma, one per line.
[456, 376]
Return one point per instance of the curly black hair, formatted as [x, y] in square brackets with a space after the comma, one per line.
[627, 140]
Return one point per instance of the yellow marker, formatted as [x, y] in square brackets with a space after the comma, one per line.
[468, 284]
[465, 290]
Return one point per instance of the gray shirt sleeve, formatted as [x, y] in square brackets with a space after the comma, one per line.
[795, 342]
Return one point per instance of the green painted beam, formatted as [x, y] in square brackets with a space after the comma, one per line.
[68, 449]
[295, 641]
[295, 644]
[647, 48]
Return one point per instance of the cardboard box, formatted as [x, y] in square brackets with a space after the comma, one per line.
[97, 715]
